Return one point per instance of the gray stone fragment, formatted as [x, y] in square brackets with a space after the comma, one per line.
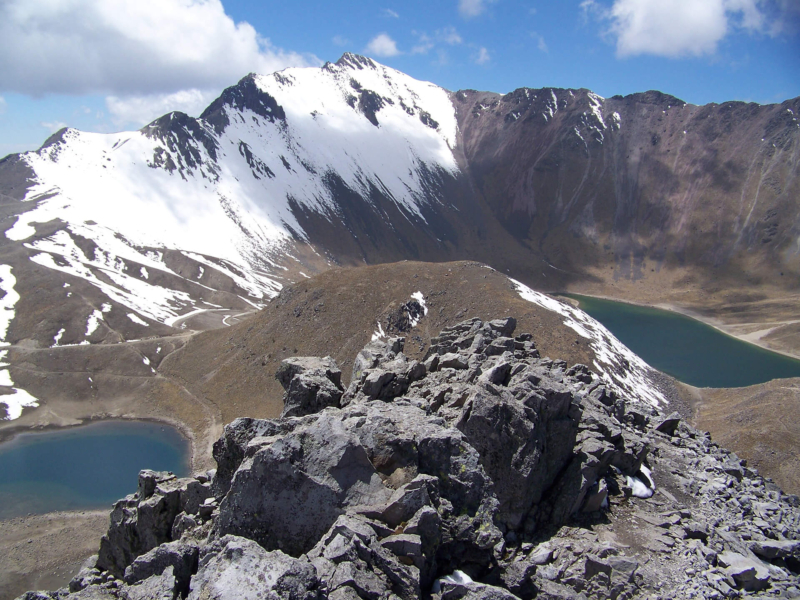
[405, 546]
[748, 574]
[313, 476]
[178, 556]
[772, 549]
[88, 575]
[597, 497]
[311, 384]
[505, 327]
[670, 424]
[235, 568]
[408, 499]
[157, 587]
[452, 360]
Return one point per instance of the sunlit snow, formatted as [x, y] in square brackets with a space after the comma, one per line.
[616, 364]
[232, 211]
[8, 301]
[379, 333]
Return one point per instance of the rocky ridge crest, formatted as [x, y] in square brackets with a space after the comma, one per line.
[482, 471]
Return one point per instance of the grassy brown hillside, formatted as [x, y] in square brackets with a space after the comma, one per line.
[760, 423]
[335, 314]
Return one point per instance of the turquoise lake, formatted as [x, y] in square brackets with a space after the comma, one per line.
[84, 467]
[687, 349]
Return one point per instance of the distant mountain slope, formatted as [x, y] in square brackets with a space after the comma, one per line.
[641, 184]
[192, 222]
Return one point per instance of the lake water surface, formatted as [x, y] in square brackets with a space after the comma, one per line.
[687, 349]
[84, 467]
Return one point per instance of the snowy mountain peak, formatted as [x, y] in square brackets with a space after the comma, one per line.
[223, 206]
[355, 61]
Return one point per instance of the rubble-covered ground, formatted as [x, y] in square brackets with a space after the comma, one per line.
[483, 471]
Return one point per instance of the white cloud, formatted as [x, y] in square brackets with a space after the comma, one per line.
[53, 126]
[449, 35]
[676, 28]
[3, 105]
[382, 45]
[140, 110]
[126, 48]
[388, 12]
[426, 43]
[473, 8]
[540, 43]
[340, 40]
[483, 56]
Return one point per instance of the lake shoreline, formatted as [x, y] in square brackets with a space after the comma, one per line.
[8, 435]
[686, 312]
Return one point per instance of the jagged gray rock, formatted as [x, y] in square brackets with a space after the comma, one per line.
[519, 475]
[237, 568]
[310, 384]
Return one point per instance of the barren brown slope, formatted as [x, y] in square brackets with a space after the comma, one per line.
[657, 202]
[760, 423]
[335, 314]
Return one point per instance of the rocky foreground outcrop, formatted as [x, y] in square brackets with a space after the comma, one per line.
[483, 471]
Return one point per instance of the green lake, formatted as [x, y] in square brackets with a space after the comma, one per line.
[687, 349]
[84, 467]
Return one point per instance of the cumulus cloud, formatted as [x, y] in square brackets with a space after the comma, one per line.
[340, 40]
[140, 110]
[382, 45]
[53, 126]
[449, 35]
[482, 57]
[676, 28]
[129, 48]
[426, 43]
[473, 8]
[540, 43]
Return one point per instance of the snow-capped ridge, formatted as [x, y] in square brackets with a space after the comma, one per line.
[228, 189]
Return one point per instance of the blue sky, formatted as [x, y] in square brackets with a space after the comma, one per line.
[108, 65]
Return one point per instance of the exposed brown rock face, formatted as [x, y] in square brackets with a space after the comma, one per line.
[627, 187]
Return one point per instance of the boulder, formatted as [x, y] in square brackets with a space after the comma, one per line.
[290, 491]
[311, 384]
[161, 586]
[670, 424]
[775, 549]
[181, 558]
[750, 575]
[235, 568]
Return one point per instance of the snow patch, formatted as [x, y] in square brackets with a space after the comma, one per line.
[93, 322]
[596, 105]
[621, 369]
[379, 333]
[457, 577]
[136, 319]
[638, 488]
[414, 320]
[57, 337]
[421, 299]
[16, 402]
[7, 302]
